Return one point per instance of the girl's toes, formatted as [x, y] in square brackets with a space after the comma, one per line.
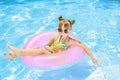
[9, 56]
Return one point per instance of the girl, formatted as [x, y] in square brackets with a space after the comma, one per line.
[61, 39]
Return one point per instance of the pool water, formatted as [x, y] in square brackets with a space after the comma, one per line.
[97, 25]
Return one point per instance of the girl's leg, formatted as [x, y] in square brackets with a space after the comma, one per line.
[24, 52]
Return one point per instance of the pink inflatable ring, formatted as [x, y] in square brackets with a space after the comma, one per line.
[70, 55]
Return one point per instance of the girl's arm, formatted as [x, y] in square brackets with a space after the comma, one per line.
[87, 50]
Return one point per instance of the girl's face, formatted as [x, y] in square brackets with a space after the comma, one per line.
[64, 28]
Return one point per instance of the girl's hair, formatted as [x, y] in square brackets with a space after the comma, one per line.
[70, 21]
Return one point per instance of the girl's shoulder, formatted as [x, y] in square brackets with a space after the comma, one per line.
[72, 40]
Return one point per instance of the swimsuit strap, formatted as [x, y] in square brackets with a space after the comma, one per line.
[58, 37]
[65, 40]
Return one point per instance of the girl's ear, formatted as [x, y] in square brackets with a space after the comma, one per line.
[72, 21]
[60, 18]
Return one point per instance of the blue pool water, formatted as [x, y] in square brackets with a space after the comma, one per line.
[97, 25]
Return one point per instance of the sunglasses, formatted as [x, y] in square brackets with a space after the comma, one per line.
[65, 30]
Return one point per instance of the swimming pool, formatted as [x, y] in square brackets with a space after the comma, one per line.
[97, 25]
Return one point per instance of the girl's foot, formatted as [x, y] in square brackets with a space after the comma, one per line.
[14, 50]
[10, 56]
[95, 61]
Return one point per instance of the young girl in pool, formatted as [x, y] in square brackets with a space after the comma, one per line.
[59, 41]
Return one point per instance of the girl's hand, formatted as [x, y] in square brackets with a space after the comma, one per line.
[95, 61]
[55, 50]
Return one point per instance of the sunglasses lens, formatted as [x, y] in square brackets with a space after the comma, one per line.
[66, 31]
[60, 30]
